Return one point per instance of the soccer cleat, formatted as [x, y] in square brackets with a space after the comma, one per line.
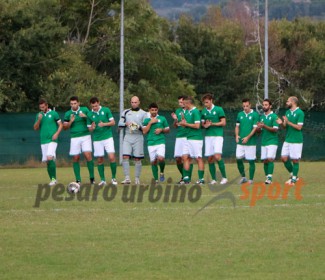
[53, 182]
[243, 180]
[213, 182]
[92, 181]
[223, 181]
[114, 181]
[250, 182]
[137, 181]
[181, 182]
[102, 183]
[126, 181]
[290, 180]
[162, 177]
[268, 181]
[78, 182]
[200, 182]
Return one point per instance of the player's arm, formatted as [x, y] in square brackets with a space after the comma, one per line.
[222, 122]
[195, 125]
[297, 126]
[165, 129]
[38, 122]
[237, 132]
[68, 120]
[60, 127]
[122, 121]
[269, 128]
[175, 122]
[111, 122]
[245, 139]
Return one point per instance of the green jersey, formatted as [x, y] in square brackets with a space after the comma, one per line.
[48, 125]
[214, 115]
[193, 116]
[297, 117]
[268, 137]
[103, 115]
[181, 131]
[152, 138]
[246, 124]
[79, 126]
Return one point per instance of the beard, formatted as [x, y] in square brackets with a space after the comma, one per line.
[289, 106]
[265, 110]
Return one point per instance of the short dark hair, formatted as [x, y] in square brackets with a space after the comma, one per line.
[208, 96]
[181, 97]
[268, 100]
[246, 100]
[74, 98]
[42, 101]
[153, 105]
[93, 100]
[190, 99]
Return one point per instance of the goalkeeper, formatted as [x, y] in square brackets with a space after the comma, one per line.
[131, 121]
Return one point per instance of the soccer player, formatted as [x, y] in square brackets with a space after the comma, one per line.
[177, 116]
[293, 121]
[214, 120]
[156, 126]
[76, 120]
[131, 121]
[246, 126]
[50, 126]
[269, 125]
[100, 121]
[194, 143]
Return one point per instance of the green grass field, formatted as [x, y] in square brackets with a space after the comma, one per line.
[275, 239]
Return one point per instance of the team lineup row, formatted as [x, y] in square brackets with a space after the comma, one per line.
[92, 130]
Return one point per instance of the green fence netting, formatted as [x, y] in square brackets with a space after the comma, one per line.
[19, 142]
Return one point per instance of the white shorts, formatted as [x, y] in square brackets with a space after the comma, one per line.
[104, 145]
[268, 151]
[155, 151]
[49, 150]
[193, 148]
[247, 152]
[213, 145]
[292, 150]
[179, 144]
[80, 144]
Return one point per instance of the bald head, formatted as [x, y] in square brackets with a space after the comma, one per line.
[135, 102]
[292, 102]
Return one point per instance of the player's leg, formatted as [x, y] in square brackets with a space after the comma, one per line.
[152, 150]
[240, 154]
[51, 156]
[110, 150]
[270, 154]
[285, 159]
[161, 150]
[178, 154]
[75, 150]
[138, 154]
[127, 153]
[186, 162]
[209, 153]
[86, 148]
[217, 146]
[295, 151]
[250, 156]
[265, 162]
[99, 153]
[195, 148]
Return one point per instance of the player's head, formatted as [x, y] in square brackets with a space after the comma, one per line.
[74, 103]
[292, 102]
[181, 100]
[267, 105]
[94, 103]
[188, 102]
[153, 109]
[43, 105]
[246, 105]
[207, 100]
[135, 102]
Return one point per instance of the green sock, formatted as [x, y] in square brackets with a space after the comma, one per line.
[201, 174]
[186, 173]
[162, 166]
[113, 169]
[76, 170]
[212, 168]
[190, 171]
[90, 165]
[154, 168]
[241, 167]
[288, 165]
[266, 168]
[251, 169]
[295, 169]
[52, 168]
[271, 168]
[180, 168]
[49, 171]
[101, 171]
[222, 168]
